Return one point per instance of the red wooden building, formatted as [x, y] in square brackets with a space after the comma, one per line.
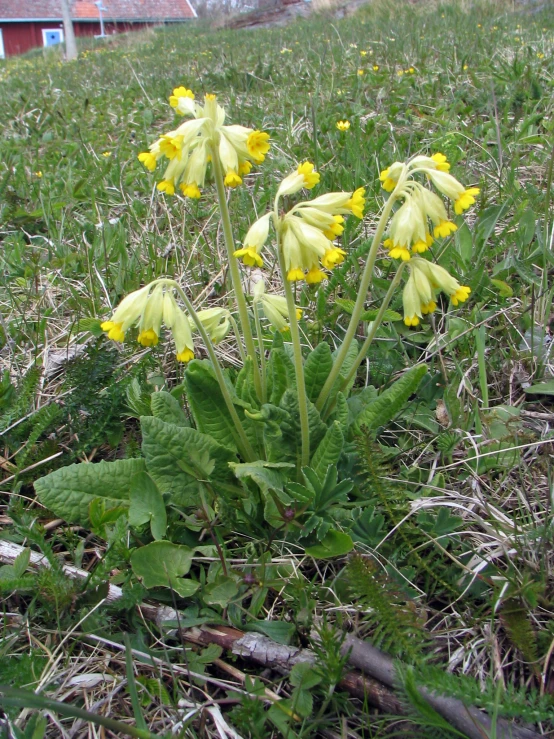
[25, 24]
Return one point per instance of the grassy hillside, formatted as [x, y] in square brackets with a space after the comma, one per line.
[451, 514]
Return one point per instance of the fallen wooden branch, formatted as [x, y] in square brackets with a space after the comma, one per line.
[375, 686]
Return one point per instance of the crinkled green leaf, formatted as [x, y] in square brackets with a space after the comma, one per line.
[317, 367]
[392, 400]
[67, 492]
[207, 405]
[167, 408]
[147, 505]
[266, 475]
[328, 451]
[280, 374]
[178, 458]
[291, 426]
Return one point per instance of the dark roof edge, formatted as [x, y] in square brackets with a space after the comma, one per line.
[97, 20]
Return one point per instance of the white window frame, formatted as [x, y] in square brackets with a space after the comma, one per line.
[49, 30]
[2, 52]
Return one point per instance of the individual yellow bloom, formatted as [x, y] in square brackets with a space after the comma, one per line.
[421, 246]
[185, 356]
[343, 125]
[210, 97]
[170, 145]
[215, 322]
[375, 67]
[148, 337]
[465, 67]
[232, 179]
[361, 72]
[180, 92]
[400, 72]
[357, 202]
[407, 227]
[106, 154]
[363, 53]
[440, 279]
[314, 276]
[466, 200]
[305, 176]
[166, 186]
[38, 174]
[245, 167]
[444, 229]
[540, 55]
[333, 257]
[295, 274]
[441, 162]
[390, 176]
[114, 330]
[152, 317]
[335, 229]
[311, 178]
[126, 314]
[190, 191]
[275, 307]
[249, 256]
[411, 70]
[258, 145]
[253, 242]
[148, 159]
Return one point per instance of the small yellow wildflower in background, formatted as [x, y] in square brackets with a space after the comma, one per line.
[343, 125]
[360, 72]
[375, 67]
[363, 53]
[411, 70]
[465, 67]
[284, 50]
[400, 72]
[106, 154]
[38, 174]
[540, 55]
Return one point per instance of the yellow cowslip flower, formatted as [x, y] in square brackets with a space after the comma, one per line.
[307, 231]
[215, 321]
[390, 176]
[419, 293]
[375, 67]
[188, 147]
[441, 279]
[274, 307]
[253, 242]
[418, 297]
[151, 319]
[126, 314]
[361, 72]
[408, 227]
[343, 125]
[304, 177]
[180, 92]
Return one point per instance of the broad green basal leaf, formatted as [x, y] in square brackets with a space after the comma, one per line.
[163, 564]
[67, 492]
[335, 544]
[179, 458]
[147, 505]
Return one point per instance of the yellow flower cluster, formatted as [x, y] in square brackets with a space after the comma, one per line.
[425, 280]
[420, 219]
[154, 305]
[274, 307]
[189, 147]
[307, 231]
[410, 229]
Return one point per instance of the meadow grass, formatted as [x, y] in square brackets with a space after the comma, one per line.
[459, 490]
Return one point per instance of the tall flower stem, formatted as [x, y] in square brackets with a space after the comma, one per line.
[370, 336]
[238, 337]
[359, 306]
[298, 362]
[245, 447]
[262, 351]
[234, 269]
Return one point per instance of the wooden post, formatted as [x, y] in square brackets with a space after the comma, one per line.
[70, 45]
